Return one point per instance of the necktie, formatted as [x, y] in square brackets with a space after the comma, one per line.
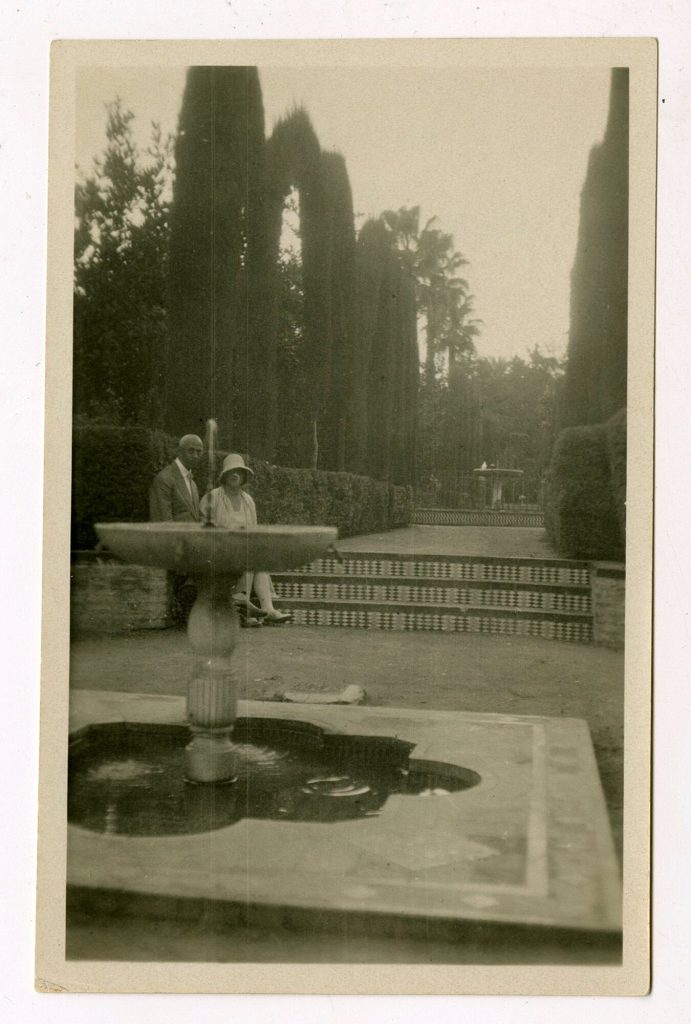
[193, 491]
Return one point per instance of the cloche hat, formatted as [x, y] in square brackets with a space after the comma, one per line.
[234, 461]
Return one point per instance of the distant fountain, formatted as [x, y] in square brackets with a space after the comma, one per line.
[497, 478]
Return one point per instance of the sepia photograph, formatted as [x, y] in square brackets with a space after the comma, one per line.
[348, 609]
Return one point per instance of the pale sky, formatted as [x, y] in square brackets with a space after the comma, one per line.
[499, 155]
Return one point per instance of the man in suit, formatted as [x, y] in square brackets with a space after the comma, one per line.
[173, 497]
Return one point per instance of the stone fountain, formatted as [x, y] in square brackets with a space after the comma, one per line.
[497, 477]
[215, 559]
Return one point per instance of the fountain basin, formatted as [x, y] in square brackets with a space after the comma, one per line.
[529, 846]
[196, 550]
[129, 779]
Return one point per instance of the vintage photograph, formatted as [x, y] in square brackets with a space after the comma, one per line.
[348, 370]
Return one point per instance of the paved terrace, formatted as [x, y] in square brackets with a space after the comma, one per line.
[495, 541]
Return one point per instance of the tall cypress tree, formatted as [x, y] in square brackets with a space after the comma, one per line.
[595, 381]
[294, 161]
[387, 350]
[382, 382]
[410, 384]
[371, 252]
[218, 255]
[402, 359]
[337, 412]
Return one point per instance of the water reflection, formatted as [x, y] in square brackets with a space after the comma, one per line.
[129, 781]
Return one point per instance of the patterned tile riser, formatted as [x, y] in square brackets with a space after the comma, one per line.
[434, 595]
[575, 632]
[450, 517]
[476, 571]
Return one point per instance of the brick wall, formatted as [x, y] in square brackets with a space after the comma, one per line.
[109, 597]
[608, 588]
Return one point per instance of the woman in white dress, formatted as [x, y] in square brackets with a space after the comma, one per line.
[231, 507]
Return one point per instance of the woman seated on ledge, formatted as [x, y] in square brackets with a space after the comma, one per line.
[231, 507]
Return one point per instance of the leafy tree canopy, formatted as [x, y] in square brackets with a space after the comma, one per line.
[121, 247]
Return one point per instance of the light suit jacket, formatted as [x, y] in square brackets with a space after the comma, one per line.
[169, 499]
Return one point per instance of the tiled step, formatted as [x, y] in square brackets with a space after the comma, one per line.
[567, 626]
[555, 572]
[548, 598]
[407, 590]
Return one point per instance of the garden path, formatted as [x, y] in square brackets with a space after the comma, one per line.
[496, 541]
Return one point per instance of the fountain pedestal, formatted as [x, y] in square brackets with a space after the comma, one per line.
[215, 558]
[212, 692]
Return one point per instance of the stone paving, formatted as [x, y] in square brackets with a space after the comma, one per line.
[496, 541]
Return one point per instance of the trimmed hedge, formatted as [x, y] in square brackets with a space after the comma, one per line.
[581, 513]
[112, 469]
[355, 504]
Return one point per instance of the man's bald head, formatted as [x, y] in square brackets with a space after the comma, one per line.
[190, 449]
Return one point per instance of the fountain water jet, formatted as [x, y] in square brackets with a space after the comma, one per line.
[211, 436]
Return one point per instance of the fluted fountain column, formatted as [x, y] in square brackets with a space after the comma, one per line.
[212, 692]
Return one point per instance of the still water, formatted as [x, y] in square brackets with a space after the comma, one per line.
[130, 780]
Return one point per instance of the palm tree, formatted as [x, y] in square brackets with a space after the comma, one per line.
[443, 298]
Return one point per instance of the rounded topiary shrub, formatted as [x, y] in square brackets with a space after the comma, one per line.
[581, 511]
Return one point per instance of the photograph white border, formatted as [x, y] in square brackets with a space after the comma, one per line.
[25, 38]
[632, 977]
